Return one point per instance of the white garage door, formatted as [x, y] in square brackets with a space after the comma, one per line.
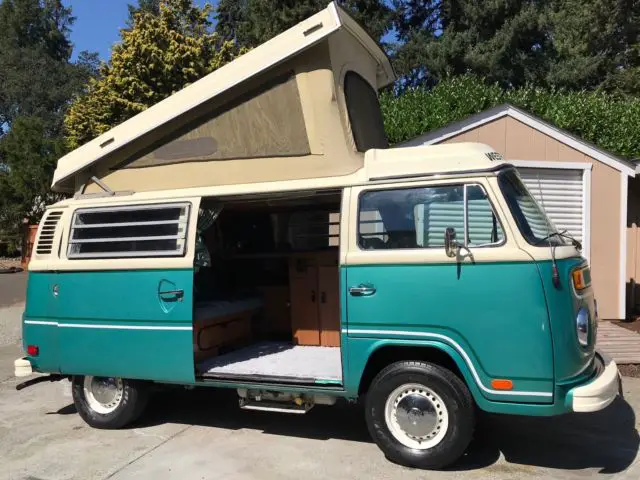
[561, 193]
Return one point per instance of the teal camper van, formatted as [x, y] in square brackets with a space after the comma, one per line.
[255, 232]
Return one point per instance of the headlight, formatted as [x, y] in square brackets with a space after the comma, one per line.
[582, 326]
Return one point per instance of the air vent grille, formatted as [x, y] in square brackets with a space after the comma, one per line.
[44, 245]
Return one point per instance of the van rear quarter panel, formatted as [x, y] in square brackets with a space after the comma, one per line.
[111, 323]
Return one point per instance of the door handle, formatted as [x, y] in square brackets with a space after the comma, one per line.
[176, 294]
[362, 291]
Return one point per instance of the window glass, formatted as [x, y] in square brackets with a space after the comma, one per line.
[418, 217]
[532, 221]
[141, 231]
[364, 112]
[483, 226]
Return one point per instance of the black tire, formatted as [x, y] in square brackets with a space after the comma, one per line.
[456, 397]
[135, 396]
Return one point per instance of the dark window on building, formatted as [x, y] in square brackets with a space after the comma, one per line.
[364, 112]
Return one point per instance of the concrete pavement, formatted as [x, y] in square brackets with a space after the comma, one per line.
[202, 434]
[12, 288]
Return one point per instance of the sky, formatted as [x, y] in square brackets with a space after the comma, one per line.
[98, 23]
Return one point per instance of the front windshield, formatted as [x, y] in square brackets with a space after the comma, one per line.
[531, 219]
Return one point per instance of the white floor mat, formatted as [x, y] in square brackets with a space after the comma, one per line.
[278, 359]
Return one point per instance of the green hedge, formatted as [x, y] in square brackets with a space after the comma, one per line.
[609, 121]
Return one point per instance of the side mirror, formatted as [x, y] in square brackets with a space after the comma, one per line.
[450, 244]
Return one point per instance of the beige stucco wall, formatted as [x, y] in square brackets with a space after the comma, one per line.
[517, 141]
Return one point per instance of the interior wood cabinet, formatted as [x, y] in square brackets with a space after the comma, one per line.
[315, 300]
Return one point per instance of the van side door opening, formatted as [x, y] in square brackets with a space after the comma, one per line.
[267, 289]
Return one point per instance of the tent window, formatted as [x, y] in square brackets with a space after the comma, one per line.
[264, 123]
[364, 112]
[135, 231]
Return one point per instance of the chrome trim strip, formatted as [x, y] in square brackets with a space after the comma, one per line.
[460, 350]
[106, 327]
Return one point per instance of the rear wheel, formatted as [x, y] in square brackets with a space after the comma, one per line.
[108, 402]
[421, 415]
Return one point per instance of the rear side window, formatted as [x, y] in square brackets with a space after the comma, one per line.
[132, 231]
[418, 217]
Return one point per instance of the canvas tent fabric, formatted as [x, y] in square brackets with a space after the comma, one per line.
[275, 113]
[269, 123]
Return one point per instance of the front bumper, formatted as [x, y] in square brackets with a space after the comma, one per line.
[22, 368]
[601, 389]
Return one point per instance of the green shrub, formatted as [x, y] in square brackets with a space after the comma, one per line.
[609, 121]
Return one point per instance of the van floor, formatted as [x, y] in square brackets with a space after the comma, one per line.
[277, 360]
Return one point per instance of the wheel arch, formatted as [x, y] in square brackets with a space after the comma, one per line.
[386, 352]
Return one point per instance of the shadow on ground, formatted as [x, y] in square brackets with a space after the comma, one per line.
[606, 440]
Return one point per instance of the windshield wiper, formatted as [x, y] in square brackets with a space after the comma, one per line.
[562, 234]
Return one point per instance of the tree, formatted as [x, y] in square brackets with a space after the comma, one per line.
[158, 56]
[595, 43]
[252, 22]
[502, 40]
[416, 23]
[36, 75]
[37, 81]
[150, 6]
[573, 44]
[29, 152]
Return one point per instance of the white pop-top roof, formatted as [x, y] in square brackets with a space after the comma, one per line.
[394, 164]
[455, 159]
[280, 48]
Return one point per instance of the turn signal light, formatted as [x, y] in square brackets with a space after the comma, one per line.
[578, 279]
[500, 384]
[33, 350]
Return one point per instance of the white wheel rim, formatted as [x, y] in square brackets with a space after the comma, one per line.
[416, 416]
[103, 394]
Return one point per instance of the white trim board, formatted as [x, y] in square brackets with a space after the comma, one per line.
[622, 287]
[551, 165]
[444, 133]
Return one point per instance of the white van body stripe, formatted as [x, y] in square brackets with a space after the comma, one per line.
[106, 327]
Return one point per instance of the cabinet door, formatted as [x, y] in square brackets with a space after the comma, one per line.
[304, 305]
[329, 307]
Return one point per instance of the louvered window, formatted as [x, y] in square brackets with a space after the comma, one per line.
[418, 217]
[133, 231]
[560, 193]
[44, 244]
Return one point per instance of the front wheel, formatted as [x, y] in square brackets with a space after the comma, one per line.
[420, 414]
[108, 402]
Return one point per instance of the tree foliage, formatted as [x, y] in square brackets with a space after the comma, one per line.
[252, 22]
[150, 6]
[595, 44]
[610, 121]
[573, 44]
[29, 154]
[37, 80]
[158, 56]
[37, 77]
